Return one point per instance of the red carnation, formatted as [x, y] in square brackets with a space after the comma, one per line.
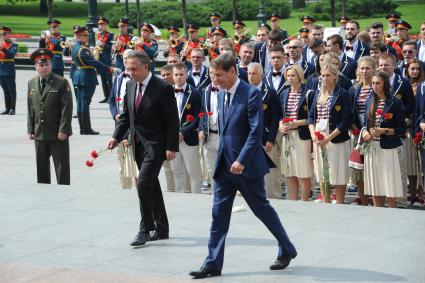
[89, 163]
[319, 135]
[210, 113]
[379, 112]
[201, 114]
[190, 118]
[118, 99]
[287, 120]
[356, 132]
[417, 139]
[388, 116]
[94, 154]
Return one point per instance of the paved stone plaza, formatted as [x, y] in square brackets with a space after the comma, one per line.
[81, 233]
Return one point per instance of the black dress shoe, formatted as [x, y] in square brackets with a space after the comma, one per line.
[5, 112]
[282, 262]
[204, 272]
[103, 100]
[155, 236]
[140, 239]
[11, 112]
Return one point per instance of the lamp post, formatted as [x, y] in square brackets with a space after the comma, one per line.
[91, 20]
[261, 17]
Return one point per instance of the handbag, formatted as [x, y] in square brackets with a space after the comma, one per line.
[356, 160]
[130, 167]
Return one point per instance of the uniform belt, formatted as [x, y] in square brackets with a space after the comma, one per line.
[214, 132]
[85, 67]
[7, 60]
[57, 52]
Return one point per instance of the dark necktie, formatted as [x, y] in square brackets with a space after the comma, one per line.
[348, 48]
[196, 74]
[227, 104]
[138, 98]
[275, 74]
[178, 90]
[214, 89]
[43, 85]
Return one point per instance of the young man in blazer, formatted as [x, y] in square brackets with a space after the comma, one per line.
[353, 47]
[241, 166]
[187, 161]
[150, 113]
[198, 75]
[49, 118]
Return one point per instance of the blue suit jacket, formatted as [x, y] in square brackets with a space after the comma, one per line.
[397, 122]
[204, 81]
[115, 107]
[241, 131]
[242, 74]
[348, 67]
[354, 94]
[191, 105]
[271, 113]
[402, 89]
[260, 53]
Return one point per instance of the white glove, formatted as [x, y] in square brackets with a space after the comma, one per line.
[116, 71]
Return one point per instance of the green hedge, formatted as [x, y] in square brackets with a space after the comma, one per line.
[356, 9]
[165, 13]
[22, 48]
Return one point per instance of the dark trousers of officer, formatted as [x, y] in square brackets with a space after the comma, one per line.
[9, 89]
[84, 96]
[59, 150]
[151, 202]
[106, 83]
[119, 62]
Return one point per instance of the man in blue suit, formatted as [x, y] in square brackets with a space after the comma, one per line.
[241, 165]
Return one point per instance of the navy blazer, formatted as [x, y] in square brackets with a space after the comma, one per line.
[308, 68]
[397, 122]
[191, 105]
[204, 80]
[343, 82]
[269, 81]
[362, 50]
[348, 67]
[402, 89]
[242, 74]
[271, 113]
[241, 130]
[304, 105]
[339, 114]
[260, 53]
[115, 107]
[354, 94]
[420, 106]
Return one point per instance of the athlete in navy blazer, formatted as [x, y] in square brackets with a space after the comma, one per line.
[191, 105]
[271, 113]
[348, 67]
[241, 165]
[204, 79]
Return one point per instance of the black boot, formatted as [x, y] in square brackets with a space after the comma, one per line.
[80, 122]
[87, 130]
[12, 105]
[7, 102]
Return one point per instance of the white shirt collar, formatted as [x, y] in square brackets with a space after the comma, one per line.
[260, 85]
[392, 78]
[232, 90]
[183, 87]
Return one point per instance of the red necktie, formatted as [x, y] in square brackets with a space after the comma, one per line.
[139, 97]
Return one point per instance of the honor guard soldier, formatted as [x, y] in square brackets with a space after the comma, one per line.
[215, 20]
[392, 18]
[54, 41]
[8, 51]
[192, 43]
[146, 43]
[85, 78]
[217, 34]
[175, 43]
[49, 118]
[67, 51]
[275, 20]
[240, 36]
[103, 53]
[402, 35]
[121, 42]
[303, 36]
[342, 23]
[308, 22]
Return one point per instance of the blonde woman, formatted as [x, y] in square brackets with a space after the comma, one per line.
[359, 94]
[296, 147]
[329, 120]
[385, 126]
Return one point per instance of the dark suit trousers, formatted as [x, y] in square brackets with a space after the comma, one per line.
[59, 150]
[9, 89]
[106, 79]
[255, 196]
[152, 208]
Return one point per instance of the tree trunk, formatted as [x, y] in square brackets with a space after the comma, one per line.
[138, 16]
[298, 4]
[343, 7]
[333, 13]
[184, 17]
[43, 7]
[117, 1]
[234, 10]
[50, 9]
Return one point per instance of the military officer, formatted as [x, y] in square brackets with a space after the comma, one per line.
[192, 43]
[147, 44]
[217, 34]
[240, 36]
[49, 118]
[121, 42]
[275, 20]
[8, 51]
[392, 18]
[85, 78]
[175, 43]
[103, 53]
[215, 20]
[308, 22]
[54, 41]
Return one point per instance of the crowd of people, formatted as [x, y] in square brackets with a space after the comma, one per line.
[321, 97]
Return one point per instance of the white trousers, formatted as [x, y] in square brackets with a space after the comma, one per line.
[210, 153]
[187, 164]
[169, 176]
[273, 178]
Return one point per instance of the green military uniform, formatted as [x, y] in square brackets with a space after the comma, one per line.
[50, 113]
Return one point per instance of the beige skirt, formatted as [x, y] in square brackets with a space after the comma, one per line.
[295, 156]
[382, 172]
[338, 154]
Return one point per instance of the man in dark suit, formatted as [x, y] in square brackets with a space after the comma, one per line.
[295, 57]
[348, 66]
[241, 165]
[150, 112]
[49, 118]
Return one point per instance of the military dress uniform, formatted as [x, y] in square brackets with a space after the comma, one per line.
[190, 44]
[148, 46]
[54, 42]
[240, 39]
[67, 51]
[283, 33]
[214, 51]
[85, 79]
[398, 45]
[121, 44]
[104, 50]
[174, 46]
[8, 50]
[50, 113]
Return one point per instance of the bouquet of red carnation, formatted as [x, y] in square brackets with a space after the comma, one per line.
[95, 154]
[189, 119]
[419, 140]
[118, 99]
[287, 120]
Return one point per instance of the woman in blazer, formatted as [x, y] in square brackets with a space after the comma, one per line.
[296, 146]
[359, 94]
[330, 115]
[385, 126]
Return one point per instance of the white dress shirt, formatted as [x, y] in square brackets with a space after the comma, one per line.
[352, 53]
[421, 54]
[232, 91]
[179, 98]
[197, 79]
[277, 79]
[214, 109]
